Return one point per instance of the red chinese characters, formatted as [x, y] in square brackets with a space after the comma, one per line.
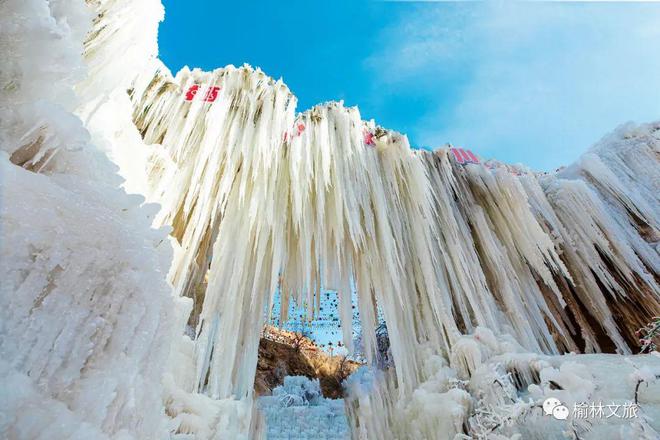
[464, 156]
[210, 95]
[298, 130]
[369, 138]
[192, 91]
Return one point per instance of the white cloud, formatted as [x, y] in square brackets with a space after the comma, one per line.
[535, 83]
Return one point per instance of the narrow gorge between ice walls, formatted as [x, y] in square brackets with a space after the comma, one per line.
[147, 230]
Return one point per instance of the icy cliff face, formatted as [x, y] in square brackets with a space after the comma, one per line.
[554, 260]
[256, 198]
[86, 313]
[561, 262]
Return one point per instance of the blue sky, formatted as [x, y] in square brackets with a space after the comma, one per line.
[530, 82]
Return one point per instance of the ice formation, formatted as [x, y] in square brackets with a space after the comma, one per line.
[298, 410]
[257, 198]
[86, 311]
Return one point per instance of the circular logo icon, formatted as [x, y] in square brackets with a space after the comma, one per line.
[560, 412]
[549, 404]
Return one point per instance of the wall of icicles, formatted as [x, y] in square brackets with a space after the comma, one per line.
[261, 198]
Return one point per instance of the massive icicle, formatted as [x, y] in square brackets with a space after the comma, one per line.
[261, 198]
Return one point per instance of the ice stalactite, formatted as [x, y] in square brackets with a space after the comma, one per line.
[442, 248]
[497, 261]
[606, 234]
[312, 205]
[261, 198]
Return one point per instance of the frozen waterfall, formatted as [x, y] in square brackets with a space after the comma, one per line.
[486, 274]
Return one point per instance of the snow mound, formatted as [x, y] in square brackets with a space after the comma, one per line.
[297, 410]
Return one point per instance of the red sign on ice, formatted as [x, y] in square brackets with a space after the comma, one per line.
[192, 91]
[300, 127]
[369, 138]
[464, 156]
[210, 95]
